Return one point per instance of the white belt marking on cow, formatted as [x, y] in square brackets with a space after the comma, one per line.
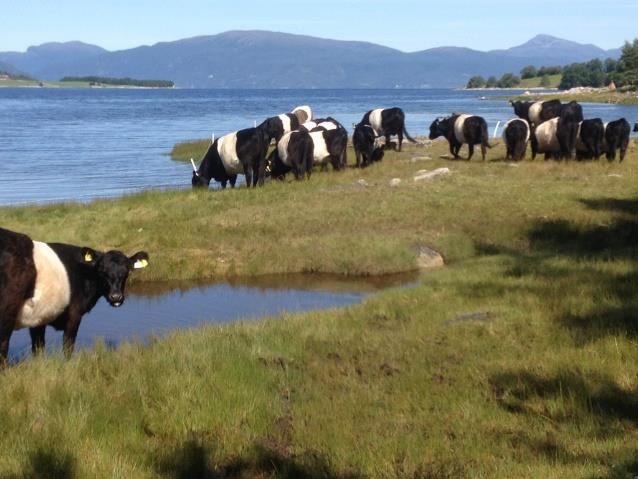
[376, 121]
[458, 127]
[282, 148]
[546, 136]
[309, 125]
[227, 149]
[534, 113]
[328, 125]
[285, 121]
[52, 293]
[321, 154]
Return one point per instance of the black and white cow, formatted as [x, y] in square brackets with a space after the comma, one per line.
[617, 138]
[277, 126]
[516, 136]
[590, 139]
[537, 112]
[55, 284]
[459, 129]
[303, 113]
[544, 139]
[330, 146]
[365, 149]
[240, 153]
[387, 122]
[294, 151]
[571, 115]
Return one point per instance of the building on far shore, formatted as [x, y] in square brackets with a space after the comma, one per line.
[4, 76]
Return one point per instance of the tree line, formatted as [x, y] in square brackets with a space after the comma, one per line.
[594, 73]
[95, 80]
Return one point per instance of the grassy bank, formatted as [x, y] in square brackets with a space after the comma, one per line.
[593, 97]
[535, 82]
[517, 360]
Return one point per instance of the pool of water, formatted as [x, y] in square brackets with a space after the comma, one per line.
[153, 309]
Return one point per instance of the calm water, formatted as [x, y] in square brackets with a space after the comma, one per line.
[157, 308]
[76, 145]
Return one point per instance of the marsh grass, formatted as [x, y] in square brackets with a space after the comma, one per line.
[516, 360]
[620, 98]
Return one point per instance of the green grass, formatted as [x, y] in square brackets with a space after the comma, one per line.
[629, 98]
[535, 82]
[542, 382]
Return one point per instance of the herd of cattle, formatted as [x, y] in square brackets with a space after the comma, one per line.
[302, 142]
[56, 284]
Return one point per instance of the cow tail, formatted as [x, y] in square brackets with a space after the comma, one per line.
[485, 136]
[407, 135]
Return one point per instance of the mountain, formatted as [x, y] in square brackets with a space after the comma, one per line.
[10, 69]
[261, 59]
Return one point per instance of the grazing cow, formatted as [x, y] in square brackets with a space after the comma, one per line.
[365, 150]
[571, 114]
[240, 153]
[544, 139]
[303, 113]
[516, 136]
[537, 112]
[459, 129]
[617, 138]
[277, 126]
[330, 146]
[55, 284]
[387, 122]
[295, 151]
[590, 139]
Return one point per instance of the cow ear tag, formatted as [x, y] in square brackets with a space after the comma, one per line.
[88, 257]
[140, 263]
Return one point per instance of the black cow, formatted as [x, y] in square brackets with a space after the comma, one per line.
[590, 139]
[55, 284]
[459, 129]
[239, 153]
[363, 141]
[387, 122]
[617, 138]
[571, 115]
[295, 151]
[277, 126]
[537, 112]
[516, 136]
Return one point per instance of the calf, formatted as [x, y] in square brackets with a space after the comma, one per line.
[55, 284]
[590, 139]
[277, 126]
[387, 122]
[365, 149]
[240, 153]
[617, 138]
[537, 112]
[516, 136]
[459, 129]
[295, 151]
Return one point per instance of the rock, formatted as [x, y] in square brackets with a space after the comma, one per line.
[362, 182]
[394, 182]
[429, 259]
[428, 175]
[414, 159]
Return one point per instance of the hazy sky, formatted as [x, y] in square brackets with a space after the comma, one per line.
[408, 25]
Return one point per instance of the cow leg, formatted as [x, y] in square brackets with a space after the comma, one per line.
[223, 183]
[611, 153]
[336, 162]
[400, 140]
[6, 328]
[470, 151]
[623, 149]
[388, 140]
[261, 172]
[70, 333]
[37, 339]
[233, 180]
[248, 172]
[483, 151]
[357, 158]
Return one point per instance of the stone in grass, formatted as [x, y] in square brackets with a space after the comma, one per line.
[428, 258]
[428, 175]
[394, 182]
[362, 182]
[414, 159]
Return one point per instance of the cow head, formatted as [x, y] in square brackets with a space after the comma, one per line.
[112, 269]
[436, 129]
[198, 180]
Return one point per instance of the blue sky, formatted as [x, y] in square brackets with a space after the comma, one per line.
[408, 25]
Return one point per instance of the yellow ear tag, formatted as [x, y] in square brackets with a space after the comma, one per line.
[140, 263]
[88, 257]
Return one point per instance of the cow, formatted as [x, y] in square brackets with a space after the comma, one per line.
[537, 112]
[240, 153]
[459, 129]
[55, 284]
[590, 139]
[294, 151]
[387, 122]
[571, 114]
[365, 149]
[330, 146]
[544, 139]
[617, 138]
[516, 136]
[303, 113]
[277, 126]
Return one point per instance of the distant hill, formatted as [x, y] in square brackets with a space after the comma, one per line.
[9, 69]
[260, 59]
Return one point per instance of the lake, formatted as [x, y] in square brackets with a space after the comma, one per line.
[82, 144]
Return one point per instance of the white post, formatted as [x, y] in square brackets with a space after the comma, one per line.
[254, 123]
[498, 123]
[212, 138]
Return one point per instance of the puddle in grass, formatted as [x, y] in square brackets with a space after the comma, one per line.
[154, 309]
